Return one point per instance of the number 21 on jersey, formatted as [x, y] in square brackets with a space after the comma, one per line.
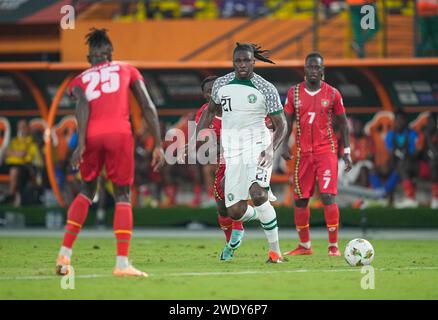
[226, 104]
[108, 78]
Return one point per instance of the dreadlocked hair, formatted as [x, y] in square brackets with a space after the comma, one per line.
[98, 38]
[259, 54]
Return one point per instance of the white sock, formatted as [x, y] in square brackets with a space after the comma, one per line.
[268, 221]
[333, 244]
[250, 214]
[306, 245]
[122, 262]
[66, 251]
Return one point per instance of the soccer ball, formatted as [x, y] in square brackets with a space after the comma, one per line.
[359, 252]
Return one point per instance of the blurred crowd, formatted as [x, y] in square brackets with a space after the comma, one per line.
[392, 156]
[425, 12]
[426, 15]
[389, 153]
[212, 9]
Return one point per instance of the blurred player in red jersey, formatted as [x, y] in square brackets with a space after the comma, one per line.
[314, 103]
[189, 172]
[225, 222]
[105, 138]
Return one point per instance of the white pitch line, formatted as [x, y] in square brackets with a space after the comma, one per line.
[85, 276]
[249, 272]
[201, 274]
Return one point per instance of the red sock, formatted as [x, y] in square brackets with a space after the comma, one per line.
[237, 225]
[225, 224]
[331, 213]
[123, 227]
[77, 213]
[198, 193]
[435, 190]
[408, 187]
[302, 216]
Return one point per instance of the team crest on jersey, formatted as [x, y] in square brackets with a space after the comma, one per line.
[230, 197]
[324, 102]
[252, 98]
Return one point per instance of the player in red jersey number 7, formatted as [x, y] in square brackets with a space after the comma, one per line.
[105, 138]
[314, 103]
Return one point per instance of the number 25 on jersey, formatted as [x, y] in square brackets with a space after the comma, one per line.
[108, 78]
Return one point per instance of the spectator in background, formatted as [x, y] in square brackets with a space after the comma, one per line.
[427, 11]
[20, 157]
[188, 8]
[330, 8]
[166, 9]
[242, 8]
[39, 165]
[361, 155]
[431, 154]
[401, 143]
[361, 36]
[207, 9]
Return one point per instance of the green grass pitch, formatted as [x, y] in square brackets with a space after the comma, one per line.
[190, 269]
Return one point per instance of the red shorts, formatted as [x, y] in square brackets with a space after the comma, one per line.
[116, 152]
[309, 167]
[218, 182]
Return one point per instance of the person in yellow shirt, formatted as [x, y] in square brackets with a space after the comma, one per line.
[20, 156]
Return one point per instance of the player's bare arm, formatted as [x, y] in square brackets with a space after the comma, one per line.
[150, 115]
[206, 117]
[280, 129]
[82, 114]
[285, 150]
[345, 136]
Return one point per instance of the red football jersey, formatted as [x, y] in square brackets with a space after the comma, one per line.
[106, 87]
[315, 127]
[216, 124]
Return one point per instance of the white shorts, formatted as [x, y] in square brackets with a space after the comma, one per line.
[240, 176]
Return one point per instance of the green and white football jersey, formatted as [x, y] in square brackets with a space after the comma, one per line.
[245, 105]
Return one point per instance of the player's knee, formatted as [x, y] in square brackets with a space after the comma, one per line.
[89, 188]
[302, 203]
[122, 196]
[236, 211]
[258, 195]
[122, 193]
[327, 199]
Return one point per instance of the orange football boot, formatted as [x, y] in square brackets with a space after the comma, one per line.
[63, 266]
[129, 271]
[274, 257]
[299, 251]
